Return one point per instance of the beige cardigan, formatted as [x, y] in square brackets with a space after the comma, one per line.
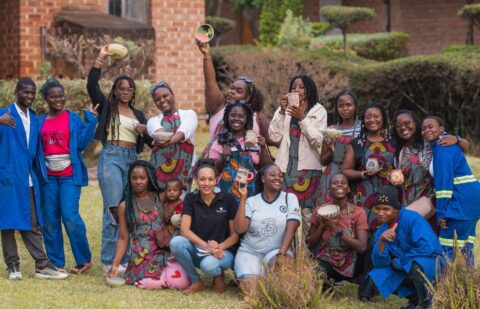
[310, 139]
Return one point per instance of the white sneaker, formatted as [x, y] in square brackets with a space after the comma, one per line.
[50, 272]
[14, 275]
[120, 270]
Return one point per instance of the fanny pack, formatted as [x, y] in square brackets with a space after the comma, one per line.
[57, 163]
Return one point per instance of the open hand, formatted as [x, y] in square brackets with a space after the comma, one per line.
[104, 53]
[447, 140]
[7, 120]
[92, 109]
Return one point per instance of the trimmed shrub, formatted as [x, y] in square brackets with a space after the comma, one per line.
[220, 25]
[470, 10]
[343, 17]
[320, 28]
[295, 32]
[381, 46]
[462, 48]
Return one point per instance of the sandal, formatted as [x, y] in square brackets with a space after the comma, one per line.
[80, 269]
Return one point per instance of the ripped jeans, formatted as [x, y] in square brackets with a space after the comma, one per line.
[112, 177]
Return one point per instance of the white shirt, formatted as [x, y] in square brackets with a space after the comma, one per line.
[26, 125]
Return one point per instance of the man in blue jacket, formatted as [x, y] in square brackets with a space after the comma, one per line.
[405, 247]
[21, 166]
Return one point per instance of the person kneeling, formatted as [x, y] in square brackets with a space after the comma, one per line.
[405, 252]
[269, 220]
[338, 243]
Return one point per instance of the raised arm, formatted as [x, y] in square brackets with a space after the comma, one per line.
[93, 88]
[243, 216]
[214, 100]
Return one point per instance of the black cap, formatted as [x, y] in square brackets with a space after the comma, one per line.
[387, 195]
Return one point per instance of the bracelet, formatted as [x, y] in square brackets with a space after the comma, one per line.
[100, 60]
[363, 175]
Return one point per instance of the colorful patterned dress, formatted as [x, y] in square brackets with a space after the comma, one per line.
[174, 161]
[335, 166]
[146, 259]
[418, 182]
[305, 183]
[365, 189]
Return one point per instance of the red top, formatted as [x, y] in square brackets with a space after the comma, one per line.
[55, 135]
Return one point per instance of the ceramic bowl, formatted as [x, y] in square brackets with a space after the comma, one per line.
[328, 211]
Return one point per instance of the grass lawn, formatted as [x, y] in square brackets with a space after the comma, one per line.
[90, 290]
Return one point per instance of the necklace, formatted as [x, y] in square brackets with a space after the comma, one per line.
[123, 109]
[148, 208]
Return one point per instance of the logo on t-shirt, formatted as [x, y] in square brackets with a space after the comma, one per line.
[269, 227]
[283, 208]
[220, 210]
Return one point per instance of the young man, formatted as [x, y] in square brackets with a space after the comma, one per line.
[21, 165]
[405, 248]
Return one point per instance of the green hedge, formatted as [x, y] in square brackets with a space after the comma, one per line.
[381, 46]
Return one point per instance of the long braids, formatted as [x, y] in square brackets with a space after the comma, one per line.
[399, 143]
[311, 94]
[114, 115]
[128, 192]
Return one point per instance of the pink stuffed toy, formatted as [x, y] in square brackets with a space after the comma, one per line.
[173, 276]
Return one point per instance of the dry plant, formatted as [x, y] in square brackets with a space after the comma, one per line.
[457, 286]
[294, 283]
[273, 71]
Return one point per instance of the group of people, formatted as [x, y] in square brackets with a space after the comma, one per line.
[402, 191]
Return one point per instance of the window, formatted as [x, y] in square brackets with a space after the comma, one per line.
[137, 10]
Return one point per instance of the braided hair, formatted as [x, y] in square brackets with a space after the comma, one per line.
[128, 192]
[256, 100]
[311, 94]
[245, 107]
[336, 115]
[398, 142]
[258, 178]
[112, 97]
[50, 83]
[364, 132]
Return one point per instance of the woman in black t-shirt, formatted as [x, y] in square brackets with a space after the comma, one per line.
[207, 231]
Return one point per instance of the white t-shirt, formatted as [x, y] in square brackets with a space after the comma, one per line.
[25, 117]
[268, 222]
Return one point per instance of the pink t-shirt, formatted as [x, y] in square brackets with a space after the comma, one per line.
[55, 135]
[218, 117]
[216, 151]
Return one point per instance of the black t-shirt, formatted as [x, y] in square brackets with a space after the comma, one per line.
[210, 222]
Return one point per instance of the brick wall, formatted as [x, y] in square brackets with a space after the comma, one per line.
[178, 60]
[9, 38]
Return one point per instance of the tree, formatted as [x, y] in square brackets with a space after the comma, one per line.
[272, 16]
[249, 9]
[471, 12]
[343, 17]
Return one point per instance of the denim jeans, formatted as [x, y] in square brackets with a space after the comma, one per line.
[60, 202]
[186, 254]
[112, 177]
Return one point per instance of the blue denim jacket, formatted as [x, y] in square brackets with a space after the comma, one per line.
[81, 135]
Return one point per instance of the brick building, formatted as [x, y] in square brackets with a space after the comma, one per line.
[176, 58]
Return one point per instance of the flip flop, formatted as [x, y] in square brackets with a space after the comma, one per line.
[80, 269]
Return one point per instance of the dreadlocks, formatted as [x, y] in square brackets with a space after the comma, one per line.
[128, 192]
[113, 113]
[311, 94]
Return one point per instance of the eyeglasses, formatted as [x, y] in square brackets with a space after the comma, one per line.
[246, 79]
[125, 90]
[154, 87]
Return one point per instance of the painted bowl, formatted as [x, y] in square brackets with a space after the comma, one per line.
[162, 136]
[115, 281]
[331, 133]
[328, 211]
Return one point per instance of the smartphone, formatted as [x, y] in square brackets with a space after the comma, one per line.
[293, 99]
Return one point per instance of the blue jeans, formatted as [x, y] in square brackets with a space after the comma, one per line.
[60, 202]
[112, 177]
[185, 254]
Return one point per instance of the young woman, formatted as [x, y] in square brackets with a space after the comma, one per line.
[140, 214]
[122, 130]
[373, 144]
[64, 136]
[269, 221]
[231, 150]
[336, 243]
[297, 129]
[333, 151]
[207, 231]
[172, 159]
[243, 88]
[457, 192]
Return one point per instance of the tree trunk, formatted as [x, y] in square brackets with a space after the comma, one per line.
[469, 36]
[251, 17]
[388, 19]
[344, 34]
